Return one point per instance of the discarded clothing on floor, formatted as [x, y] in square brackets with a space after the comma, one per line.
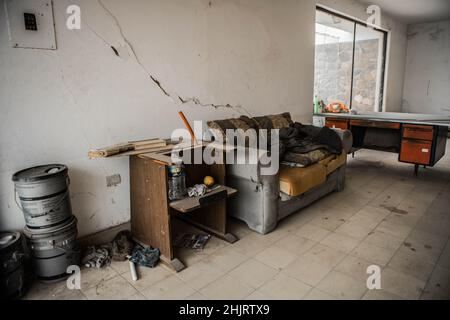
[197, 191]
[146, 257]
[192, 241]
[96, 257]
[122, 246]
[117, 250]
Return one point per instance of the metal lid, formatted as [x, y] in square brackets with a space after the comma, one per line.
[9, 240]
[40, 173]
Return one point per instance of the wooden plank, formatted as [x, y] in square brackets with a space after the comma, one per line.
[191, 204]
[138, 152]
[150, 220]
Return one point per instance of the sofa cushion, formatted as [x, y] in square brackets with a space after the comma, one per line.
[333, 162]
[273, 121]
[219, 127]
[296, 181]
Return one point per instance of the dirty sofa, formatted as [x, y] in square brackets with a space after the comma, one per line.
[264, 199]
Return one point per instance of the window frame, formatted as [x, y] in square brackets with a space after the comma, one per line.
[356, 22]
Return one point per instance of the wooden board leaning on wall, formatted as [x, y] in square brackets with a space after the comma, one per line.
[131, 148]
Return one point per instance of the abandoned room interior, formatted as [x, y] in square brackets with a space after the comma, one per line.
[224, 150]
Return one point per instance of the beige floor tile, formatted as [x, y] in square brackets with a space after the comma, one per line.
[295, 244]
[226, 288]
[393, 195]
[383, 240]
[285, 288]
[401, 285]
[200, 275]
[253, 273]
[171, 288]
[437, 223]
[120, 266]
[373, 214]
[413, 206]
[340, 242]
[316, 294]
[402, 219]
[380, 295]
[299, 219]
[147, 276]
[342, 286]
[312, 232]
[425, 244]
[351, 207]
[394, 229]
[438, 286]
[354, 229]
[196, 296]
[257, 295]
[113, 289]
[137, 296]
[354, 267]
[272, 236]
[91, 277]
[444, 260]
[329, 220]
[326, 256]
[251, 245]
[411, 263]
[276, 257]
[187, 256]
[52, 291]
[369, 252]
[307, 270]
[225, 259]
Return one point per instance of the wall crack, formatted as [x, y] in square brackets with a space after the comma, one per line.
[194, 100]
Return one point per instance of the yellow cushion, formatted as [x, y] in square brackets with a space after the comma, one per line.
[296, 181]
[333, 162]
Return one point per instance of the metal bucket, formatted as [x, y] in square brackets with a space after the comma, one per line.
[53, 250]
[12, 274]
[44, 195]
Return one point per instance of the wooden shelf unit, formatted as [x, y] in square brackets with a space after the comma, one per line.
[152, 212]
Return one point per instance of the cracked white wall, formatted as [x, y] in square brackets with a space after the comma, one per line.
[55, 106]
[427, 76]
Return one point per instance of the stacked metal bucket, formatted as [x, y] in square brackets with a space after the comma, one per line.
[51, 229]
[12, 267]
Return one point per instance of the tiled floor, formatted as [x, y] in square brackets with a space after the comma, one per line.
[385, 216]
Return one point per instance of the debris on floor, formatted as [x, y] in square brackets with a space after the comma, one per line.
[96, 257]
[118, 250]
[122, 246]
[145, 257]
[192, 241]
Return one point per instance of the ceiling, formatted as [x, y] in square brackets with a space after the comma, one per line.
[414, 11]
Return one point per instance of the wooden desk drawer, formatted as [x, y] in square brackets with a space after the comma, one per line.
[375, 124]
[413, 131]
[337, 123]
[416, 151]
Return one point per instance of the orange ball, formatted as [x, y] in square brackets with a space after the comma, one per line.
[208, 181]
